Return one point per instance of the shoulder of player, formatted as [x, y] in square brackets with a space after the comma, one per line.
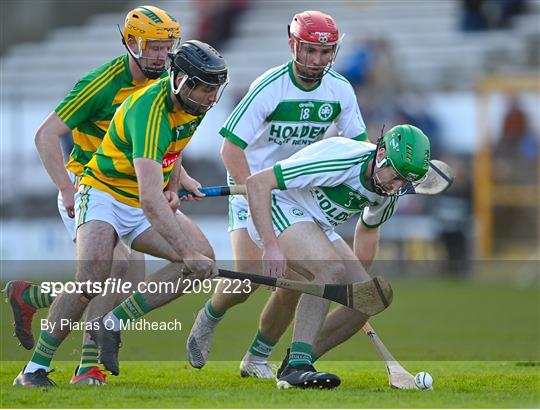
[268, 78]
[344, 146]
[149, 98]
[106, 72]
[337, 80]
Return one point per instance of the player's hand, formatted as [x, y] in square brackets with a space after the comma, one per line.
[68, 198]
[191, 185]
[198, 266]
[172, 199]
[274, 262]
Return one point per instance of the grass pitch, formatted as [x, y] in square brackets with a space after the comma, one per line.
[479, 341]
[166, 384]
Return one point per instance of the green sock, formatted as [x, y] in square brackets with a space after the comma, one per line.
[34, 297]
[211, 313]
[132, 308]
[300, 354]
[261, 346]
[45, 349]
[89, 358]
[314, 357]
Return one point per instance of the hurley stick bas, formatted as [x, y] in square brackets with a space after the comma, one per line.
[398, 377]
[370, 297]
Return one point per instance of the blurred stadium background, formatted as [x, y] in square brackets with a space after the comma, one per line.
[466, 72]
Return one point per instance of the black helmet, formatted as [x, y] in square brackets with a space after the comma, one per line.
[199, 64]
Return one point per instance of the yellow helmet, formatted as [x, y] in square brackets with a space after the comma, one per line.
[149, 23]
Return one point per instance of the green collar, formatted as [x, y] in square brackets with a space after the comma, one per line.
[293, 79]
[363, 171]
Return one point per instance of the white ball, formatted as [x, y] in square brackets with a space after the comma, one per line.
[424, 381]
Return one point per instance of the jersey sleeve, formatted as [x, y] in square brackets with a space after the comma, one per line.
[349, 122]
[82, 102]
[243, 123]
[320, 164]
[149, 130]
[376, 215]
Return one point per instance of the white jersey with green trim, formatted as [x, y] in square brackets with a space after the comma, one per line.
[278, 117]
[327, 179]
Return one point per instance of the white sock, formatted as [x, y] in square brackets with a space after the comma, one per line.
[250, 357]
[31, 367]
[110, 319]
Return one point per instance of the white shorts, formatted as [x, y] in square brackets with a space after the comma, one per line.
[92, 204]
[69, 223]
[284, 214]
[238, 212]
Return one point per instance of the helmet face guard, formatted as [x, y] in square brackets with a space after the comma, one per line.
[300, 58]
[187, 88]
[204, 76]
[147, 63]
[381, 186]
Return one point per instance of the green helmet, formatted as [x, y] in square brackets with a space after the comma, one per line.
[407, 150]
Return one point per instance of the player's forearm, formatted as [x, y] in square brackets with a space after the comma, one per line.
[163, 220]
[366, 243]
[260, 208]
[236, 162]
[50, 153]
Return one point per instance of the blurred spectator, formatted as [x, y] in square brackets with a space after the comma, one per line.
[413, 108]
[474, 15]
[490, 14]
[506, 10]
[217, 20]
[515, 161]
[372, 66]
[517, 149]
[377, 112]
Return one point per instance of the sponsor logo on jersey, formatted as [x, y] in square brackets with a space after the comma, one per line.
[296, 135]
[297, 212]
[242, 215]
[325, 112]
[339, 205]
[170, 158]
[187, 130]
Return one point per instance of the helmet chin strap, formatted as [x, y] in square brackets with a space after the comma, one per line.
[374, 180]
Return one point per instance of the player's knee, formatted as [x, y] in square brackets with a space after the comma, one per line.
[120, 268]
[93, 271]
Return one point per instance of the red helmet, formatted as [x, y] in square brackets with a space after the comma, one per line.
[313, 27]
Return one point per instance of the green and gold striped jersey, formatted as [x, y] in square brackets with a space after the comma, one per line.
[91, 104]
[147, 125]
